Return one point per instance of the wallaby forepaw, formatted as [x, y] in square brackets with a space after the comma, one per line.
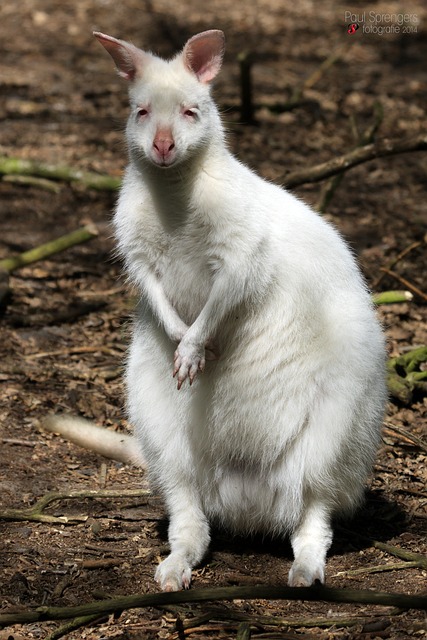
[188, 361]
[173, 574]
[301, 575]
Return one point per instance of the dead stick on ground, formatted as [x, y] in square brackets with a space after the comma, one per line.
[407, 435]
[316, 594]
[50, 248]
[382, 568]
[34, 181]
[353, 158]
[35, 513]
[16, 166]
[111, 351]
[401, 553]
[216, 613]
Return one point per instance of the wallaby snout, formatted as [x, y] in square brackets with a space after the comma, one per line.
[163, 147]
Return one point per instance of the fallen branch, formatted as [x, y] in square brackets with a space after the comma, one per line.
[410, 556]
[35, 513]
[8, 265]
[122, 603]
[50, 248]
[34, 181]
[16, 166]
[353, 158]
[217, 613]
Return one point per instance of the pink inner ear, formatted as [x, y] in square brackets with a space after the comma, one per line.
[203, 54]
[128, 59]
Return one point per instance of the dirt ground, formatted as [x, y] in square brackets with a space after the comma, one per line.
[65, 328]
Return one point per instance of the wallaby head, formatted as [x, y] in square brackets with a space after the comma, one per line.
[173, 117]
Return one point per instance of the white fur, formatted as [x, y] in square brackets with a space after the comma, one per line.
[281, 430]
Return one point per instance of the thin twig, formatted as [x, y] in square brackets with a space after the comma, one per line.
[73, 351]
[407, 435]
[381, 568]
[405, 283]
[21, 443]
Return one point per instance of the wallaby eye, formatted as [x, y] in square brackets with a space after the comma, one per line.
[142, 112]
[191, 114]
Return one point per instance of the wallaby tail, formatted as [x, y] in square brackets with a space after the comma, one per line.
[118, 446]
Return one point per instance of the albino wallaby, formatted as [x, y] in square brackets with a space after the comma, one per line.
[241, 280]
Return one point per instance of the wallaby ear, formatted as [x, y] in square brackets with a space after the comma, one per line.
[129, 59]
[203, 54]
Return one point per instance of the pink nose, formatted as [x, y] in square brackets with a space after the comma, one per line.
[164, 143]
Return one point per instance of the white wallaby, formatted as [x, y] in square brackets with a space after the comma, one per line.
[241, 280]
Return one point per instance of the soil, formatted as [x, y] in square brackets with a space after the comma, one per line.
[65, 326]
